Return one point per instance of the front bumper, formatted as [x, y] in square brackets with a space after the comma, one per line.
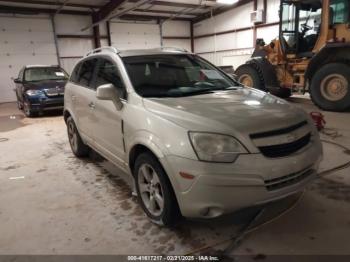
[253, 179]
[46, 103]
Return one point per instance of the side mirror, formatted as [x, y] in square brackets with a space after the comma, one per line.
[109, 92]
[17, 81]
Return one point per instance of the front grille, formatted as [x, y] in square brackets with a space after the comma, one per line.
[58, 91]
[280, 182]
[278, 131]
[287, 149]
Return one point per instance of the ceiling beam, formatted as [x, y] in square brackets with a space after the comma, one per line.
[30, 10]
[221, 10]
[171, 4]
[163, 12]
[41, 2]
[108, 9]
[151, 17]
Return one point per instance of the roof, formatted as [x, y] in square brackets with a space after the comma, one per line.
[38, 66]
[155, 51]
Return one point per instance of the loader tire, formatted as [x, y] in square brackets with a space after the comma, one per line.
[330, 87]
[249, 76]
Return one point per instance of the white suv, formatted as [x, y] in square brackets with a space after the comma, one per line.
[197, 143]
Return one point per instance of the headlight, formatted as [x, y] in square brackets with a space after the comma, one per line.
[216, 148]
[34, 92]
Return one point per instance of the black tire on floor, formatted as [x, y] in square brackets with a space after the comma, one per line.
[19, 104]
[77, 145]
[27, 110]
[281, 92]
[170, 214]
[330, 87]
[249, 76]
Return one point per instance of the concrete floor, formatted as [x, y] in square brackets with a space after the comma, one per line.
[53, 203]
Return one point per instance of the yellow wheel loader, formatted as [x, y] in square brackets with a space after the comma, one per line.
[312, 54]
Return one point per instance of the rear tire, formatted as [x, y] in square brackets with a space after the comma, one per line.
[77, 145]
[249, 76]
[155, 192]
[330, 87]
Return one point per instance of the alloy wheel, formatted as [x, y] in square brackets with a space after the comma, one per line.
[151, 190]
[72, 136]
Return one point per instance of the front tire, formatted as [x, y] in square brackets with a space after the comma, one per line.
[249, 76]
[330, 87]
[154, 191]
[76, 143]
[28, 110]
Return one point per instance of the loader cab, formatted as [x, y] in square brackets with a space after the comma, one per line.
[301, 24]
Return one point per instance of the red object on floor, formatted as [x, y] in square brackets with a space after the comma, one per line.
[318, 119]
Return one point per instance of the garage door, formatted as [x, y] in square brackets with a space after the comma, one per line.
[23, 41]
[135, 36]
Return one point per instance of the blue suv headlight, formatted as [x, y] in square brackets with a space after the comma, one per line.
[34, 92]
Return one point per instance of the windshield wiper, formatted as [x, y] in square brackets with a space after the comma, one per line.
[191, 93]
[195, 92]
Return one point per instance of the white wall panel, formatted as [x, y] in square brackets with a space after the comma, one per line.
[273, 7]
[234, 57]
[240, 43]
[206, 26]
[205, 44]
[176, 28]
[74, 47]
[236, 18]
[236, 40]
[182, 43]
[68, 64]
[24, 40]
[268, 33]
[135, 36]
[72, 24]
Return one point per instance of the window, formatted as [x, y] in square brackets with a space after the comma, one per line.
[75, 73]
[86, 72]
[289, 26]
[340, 11]
[175, 76]
[36, 74]
[108, 74]
[20, 75]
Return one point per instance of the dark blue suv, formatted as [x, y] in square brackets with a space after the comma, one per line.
[40, 88]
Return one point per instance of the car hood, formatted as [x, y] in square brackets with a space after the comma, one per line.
[45, 84]
[243, 111]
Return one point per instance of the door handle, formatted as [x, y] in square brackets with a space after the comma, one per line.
[92, 105]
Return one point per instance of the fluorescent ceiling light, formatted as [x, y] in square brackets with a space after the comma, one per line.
[227, 2]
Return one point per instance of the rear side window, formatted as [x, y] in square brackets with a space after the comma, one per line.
[75, 73]
[86, 72]
[108, 73]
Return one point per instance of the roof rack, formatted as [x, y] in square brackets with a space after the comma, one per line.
[104, 48]
[172, 48]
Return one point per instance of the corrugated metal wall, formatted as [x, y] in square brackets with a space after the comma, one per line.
[23, 40]
[234, 48]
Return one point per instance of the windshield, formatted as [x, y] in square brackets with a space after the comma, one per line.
[175, 76]
[44, 73]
